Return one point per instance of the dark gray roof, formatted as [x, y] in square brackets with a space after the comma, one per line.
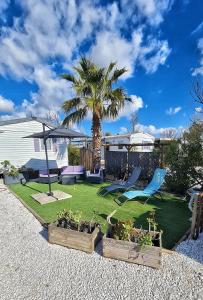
[28, 119]
[60, 132]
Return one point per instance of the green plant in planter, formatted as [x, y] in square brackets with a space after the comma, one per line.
[6, 164]
[144, 239]
[9, 170]
[122, 230]
[68, 216]
[151, 221]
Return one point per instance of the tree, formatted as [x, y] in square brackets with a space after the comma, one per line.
[73, 155]
[197, 93]
[169, 133]
[96, 93]
[185, 160]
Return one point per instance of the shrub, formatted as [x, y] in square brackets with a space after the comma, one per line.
[73, 155]
[8, 169]
[185, 161]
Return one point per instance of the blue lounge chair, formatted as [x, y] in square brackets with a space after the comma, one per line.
[123, 185]
[152, 188]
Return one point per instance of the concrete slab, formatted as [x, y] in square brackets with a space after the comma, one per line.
[43, 198]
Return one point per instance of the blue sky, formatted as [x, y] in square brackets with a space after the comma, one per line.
[160, 42]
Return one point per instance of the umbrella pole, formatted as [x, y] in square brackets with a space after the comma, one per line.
[47, 162]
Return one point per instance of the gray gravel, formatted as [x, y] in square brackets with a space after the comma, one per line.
[31, 268]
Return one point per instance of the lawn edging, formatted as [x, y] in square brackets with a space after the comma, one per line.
[38, 217]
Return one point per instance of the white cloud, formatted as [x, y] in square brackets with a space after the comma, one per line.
[3, 6]
[173, 110]
[131, 107]
[123, 130]
[198, 29]
[198, 109]
[152, 10]
[199, 70]
[111, 46]
[50, 34]
[153, 130]
[6, 105]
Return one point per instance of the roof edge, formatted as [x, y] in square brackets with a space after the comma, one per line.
[27, 119]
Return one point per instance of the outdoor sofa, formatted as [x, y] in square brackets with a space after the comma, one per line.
[77, 171]
[43, 177]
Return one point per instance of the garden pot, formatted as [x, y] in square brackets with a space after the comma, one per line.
[74, 239]
[11, 180]
[132, 252]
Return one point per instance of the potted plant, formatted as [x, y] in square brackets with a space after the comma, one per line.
[71, 231]
[11, 173]
[125, 242]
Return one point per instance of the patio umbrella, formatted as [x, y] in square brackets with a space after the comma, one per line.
[58, 132]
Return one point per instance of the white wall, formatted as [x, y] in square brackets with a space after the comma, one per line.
[20, 151]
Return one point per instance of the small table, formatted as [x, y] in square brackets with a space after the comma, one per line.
[68, 179]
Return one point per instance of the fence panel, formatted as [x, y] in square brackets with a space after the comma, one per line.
[148, 161]
[117, 162]
[86, 158]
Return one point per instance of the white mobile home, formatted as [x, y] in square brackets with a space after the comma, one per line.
[115, 142]
[131, 138]
[30, 152]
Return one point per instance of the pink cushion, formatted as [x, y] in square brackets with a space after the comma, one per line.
[72, 170]
[78, 169]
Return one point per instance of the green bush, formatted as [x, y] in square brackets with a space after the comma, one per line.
[73, 155]
[185, 161]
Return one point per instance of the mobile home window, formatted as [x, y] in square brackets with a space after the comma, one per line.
[145, 147]
[120, 147]
[48, 144]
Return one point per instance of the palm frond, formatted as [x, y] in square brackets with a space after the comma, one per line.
[71, 104]
[117, 73]
[110, 68]
[76, 116]
[69, 77]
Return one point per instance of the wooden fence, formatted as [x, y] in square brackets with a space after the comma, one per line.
[117, 163]
[86, 158]
[197, 217]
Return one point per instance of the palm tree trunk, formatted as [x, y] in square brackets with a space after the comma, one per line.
[96, 140]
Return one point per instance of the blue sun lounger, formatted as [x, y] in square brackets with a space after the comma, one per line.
[152, 188]
[124, 185]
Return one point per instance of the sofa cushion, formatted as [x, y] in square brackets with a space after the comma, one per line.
[67, 170]
[79, 169]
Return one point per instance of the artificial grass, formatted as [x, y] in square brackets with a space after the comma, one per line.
[172, 213]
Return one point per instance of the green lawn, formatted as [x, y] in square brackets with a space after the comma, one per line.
[172, 213]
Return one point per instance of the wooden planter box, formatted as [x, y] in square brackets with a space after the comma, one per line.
[74, 239]
[132, 252]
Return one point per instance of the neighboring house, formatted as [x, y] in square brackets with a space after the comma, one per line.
[27, 151]
[119, 140]
[131, 138]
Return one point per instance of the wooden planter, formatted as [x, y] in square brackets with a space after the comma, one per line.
[132, 252]
[74, 239]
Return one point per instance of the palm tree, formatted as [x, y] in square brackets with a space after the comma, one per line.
[96, 93]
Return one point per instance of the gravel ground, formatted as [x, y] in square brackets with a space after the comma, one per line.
[31, 268]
